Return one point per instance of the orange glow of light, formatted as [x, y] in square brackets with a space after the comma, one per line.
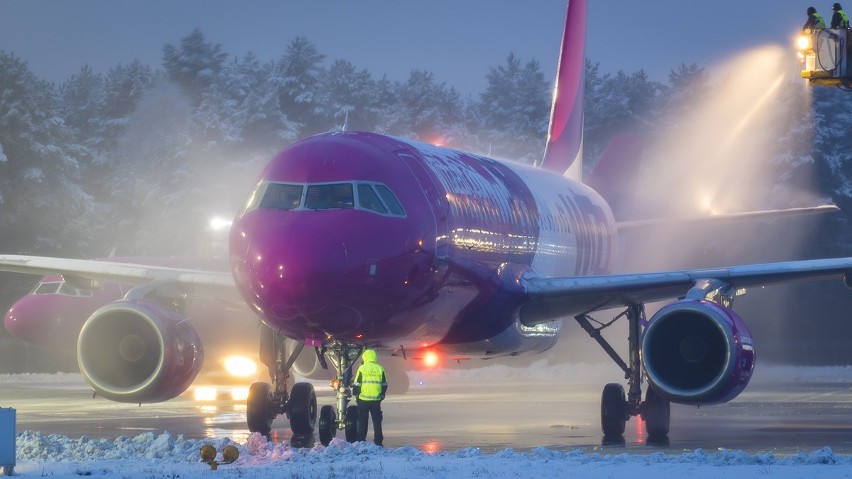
[430, 359]
[239, 393]
[204, 394]
[640, 430]
[240, 366]
[431, 447]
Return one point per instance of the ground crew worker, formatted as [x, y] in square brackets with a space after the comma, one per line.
[839, 19]
[370, 387]
[815, 20]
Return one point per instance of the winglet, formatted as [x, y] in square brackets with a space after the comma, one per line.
[564, 150]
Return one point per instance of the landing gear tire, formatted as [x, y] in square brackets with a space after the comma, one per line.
[352, 424]
[303, 409]
[259, 408]
[613, 410]
[327, 425]
[656, 411]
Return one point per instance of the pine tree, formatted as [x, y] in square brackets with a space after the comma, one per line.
[37, 166]
[514, 108]
[347, 91]
[297, 78]
[194, 64]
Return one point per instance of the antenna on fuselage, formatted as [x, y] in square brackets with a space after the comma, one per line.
[345, 120]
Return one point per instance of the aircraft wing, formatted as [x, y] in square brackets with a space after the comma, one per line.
[207, 283]
[626, 226]
[556, 298]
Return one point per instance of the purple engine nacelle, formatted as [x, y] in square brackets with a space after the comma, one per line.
[697, 352]
[138, 351]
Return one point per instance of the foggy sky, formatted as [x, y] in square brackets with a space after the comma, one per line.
[457, 40]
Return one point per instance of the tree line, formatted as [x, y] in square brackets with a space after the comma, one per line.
[135, 157]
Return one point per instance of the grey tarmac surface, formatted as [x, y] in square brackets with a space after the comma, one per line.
[784, 410]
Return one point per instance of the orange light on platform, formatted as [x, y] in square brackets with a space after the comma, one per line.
[430, 359]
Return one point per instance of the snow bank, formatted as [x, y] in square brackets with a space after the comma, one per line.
[151, 455]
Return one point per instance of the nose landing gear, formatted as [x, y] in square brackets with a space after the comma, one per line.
[345, 417]
[266, 402]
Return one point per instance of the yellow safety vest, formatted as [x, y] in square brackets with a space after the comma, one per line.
[371, 378]
[844, 23]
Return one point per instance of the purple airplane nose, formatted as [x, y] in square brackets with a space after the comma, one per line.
[298, 277]
[41, 320]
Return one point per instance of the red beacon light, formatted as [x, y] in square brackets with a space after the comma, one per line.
[431, 359]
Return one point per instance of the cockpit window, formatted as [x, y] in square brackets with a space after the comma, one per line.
[282, 196]
[390, 200]
[47, 288]
[368, 199]
[59, 287]
[361, 195]
[333, 196]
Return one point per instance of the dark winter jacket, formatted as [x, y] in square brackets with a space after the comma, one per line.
[815, 22]
[840, 19]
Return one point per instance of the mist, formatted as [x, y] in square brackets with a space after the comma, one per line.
[726, 147]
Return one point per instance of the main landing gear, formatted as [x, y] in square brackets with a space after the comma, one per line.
[616, 406]
[266, 402]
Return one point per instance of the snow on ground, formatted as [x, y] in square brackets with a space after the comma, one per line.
[166, 455]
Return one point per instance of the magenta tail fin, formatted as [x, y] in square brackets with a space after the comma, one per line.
[564, 150]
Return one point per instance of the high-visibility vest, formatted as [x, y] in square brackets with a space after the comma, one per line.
[820, 22]
[371, 378]
[844, 23]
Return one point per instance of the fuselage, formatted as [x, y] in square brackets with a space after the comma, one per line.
[393, 243]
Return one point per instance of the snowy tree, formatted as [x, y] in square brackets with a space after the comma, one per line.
[194, 64]
[424, 109]
[297, 76]
[82, 97]
[833, 156]
[124, 86]
[513, 110]
[40, 201]
[241, 108]
[345, 89]
[614, 105]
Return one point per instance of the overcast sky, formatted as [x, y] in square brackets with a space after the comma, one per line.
[458, 40]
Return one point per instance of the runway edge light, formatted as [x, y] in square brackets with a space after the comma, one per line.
[7, 441]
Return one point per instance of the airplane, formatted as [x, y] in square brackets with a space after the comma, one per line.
[52, 315]
[352, 240]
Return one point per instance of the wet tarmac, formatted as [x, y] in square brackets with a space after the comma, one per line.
[784, 411]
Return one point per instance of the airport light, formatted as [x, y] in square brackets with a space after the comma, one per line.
[239, 394]
[217, 223]
[204, 394]
[240, 366]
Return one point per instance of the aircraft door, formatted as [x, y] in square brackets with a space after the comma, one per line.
[437, 202]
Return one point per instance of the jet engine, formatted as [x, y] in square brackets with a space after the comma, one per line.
[138, 351]
[697, 352]
[307, 365]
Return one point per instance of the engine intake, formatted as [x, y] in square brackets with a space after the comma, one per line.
[138, 351]
[697, 352]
